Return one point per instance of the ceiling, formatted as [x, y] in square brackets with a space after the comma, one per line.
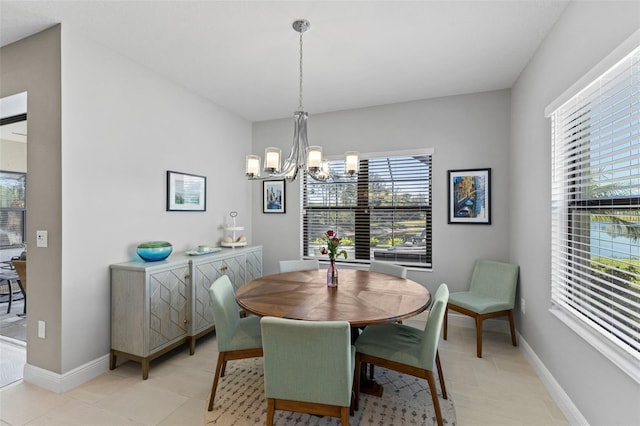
[243, 55]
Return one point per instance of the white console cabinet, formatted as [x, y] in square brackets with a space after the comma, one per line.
[157, 306]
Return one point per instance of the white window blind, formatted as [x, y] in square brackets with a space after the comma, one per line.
[596, 205]
[12, 208]
[384, 213]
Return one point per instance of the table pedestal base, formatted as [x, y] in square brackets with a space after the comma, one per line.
[370, 387]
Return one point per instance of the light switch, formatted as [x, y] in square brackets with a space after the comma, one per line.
[42, 239]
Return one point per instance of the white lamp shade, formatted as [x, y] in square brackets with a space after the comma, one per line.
[253, 166]
[272, 160]
[351, 162]
[314, 160]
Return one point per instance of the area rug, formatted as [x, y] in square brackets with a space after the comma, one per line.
[406, 400]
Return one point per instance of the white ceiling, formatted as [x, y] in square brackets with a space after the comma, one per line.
[243, 55]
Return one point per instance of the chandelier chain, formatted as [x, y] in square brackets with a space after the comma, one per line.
[300, 93]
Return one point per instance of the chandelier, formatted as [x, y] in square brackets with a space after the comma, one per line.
[302, 156]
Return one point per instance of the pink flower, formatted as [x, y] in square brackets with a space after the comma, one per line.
[333, 243]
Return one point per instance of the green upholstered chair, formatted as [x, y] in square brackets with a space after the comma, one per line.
[388, 268]
[408, 349]
[492, 294]
[237, 338]
[308, 367]
[299, 265]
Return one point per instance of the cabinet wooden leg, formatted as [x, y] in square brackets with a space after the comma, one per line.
[192, 345]
[145, 369]
[112, 360]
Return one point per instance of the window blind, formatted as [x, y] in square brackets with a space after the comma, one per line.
[595, 253]
[384, 213]
[12, 208]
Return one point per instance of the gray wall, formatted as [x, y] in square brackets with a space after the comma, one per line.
[33, 65]
[585, 34]
[470, 131]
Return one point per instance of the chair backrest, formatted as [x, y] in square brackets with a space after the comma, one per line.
[299, 265]
[307, 360]
[388, 268]
[21, 270]
[431, 334]
[495, 279]
[226, 312]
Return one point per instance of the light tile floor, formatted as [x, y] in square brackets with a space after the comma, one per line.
[13, 324]
[499, 389]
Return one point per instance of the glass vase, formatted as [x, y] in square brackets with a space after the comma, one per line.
[332, 274]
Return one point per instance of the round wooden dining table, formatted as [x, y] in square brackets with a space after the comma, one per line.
[361, 297]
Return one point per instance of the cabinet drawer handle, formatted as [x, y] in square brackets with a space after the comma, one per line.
[224, 268]
[186, 321]
[187, 276]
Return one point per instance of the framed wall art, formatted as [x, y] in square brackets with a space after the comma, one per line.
[186, 192]
[469, 196]
[273, 196]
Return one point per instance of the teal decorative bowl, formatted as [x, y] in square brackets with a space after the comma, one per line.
[152, 251]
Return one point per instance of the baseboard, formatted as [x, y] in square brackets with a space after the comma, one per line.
[61, 383]
[570, 411]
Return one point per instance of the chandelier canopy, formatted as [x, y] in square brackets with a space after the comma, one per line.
[302, 156]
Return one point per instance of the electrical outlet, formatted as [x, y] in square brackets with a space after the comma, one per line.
[42, 239]
[41, 329]
[522, 305]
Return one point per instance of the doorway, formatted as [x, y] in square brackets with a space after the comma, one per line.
[13, 172]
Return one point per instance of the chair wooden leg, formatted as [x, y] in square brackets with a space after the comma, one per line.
[441, 376]
[356, 383]
[434, 396]
[344, 416]
[271, 409]
[356, 379]
[479, 336]
[513, 328]
[446, 317]
[219, 366]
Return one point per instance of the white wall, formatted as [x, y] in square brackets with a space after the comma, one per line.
[583, 36]
[469, 131]
[123, 127]
[13, 156]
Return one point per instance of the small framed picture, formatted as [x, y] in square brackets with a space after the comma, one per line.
[186, 192]
[469, 196]
[273, 196]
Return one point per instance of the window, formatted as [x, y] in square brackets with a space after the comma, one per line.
[596, 205]
[384, 213]
[12, 208]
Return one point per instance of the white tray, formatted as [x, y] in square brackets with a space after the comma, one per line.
[236, 244]
[200, 253]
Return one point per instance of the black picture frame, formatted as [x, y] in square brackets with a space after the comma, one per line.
[469, 196]
[273, 196]
[186, 192]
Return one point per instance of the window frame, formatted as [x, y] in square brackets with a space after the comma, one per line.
[563, 213]
[362, 213]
